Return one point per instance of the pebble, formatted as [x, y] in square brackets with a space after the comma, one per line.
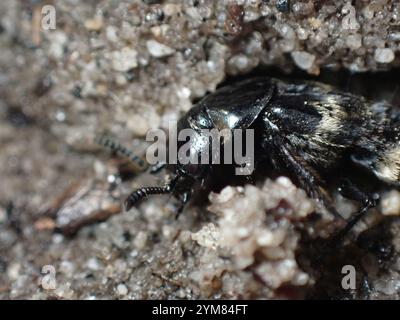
[390, 203]
[208, 236]
[251, 15]
[301, 8]
[384, 55]
[159, 31]
[93, 264]
[44, 223]
[67, 267]
[64, 291]
[140, 240]
[157, 49]
[122, 289]
[354, 41]
[124, 60]
[58, 41]
[60, 116]
[168, 232]
[111, 34]
[57, 238]
[170, 9]
[3, 215]
[13, 271]
[283, 6]
[138, 125]
[94, 24]
[303, 60]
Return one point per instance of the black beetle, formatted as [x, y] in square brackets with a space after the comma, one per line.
[232, 107]
[309, 129]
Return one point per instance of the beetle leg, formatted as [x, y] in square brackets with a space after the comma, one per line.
[349, 190]
[184, 199]
[355, 217]
[309, 179]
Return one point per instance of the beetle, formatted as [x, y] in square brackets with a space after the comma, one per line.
[311, 130]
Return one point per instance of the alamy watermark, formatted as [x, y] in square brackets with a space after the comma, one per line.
[48, 281]
[48, 17]
[349, 280]
[202, 146]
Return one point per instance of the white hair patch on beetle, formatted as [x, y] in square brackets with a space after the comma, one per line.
[388, 169]
[332, 120]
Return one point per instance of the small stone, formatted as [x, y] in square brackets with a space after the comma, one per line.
[138, 125]
[287, 32]
[122, 290]
[57, 238]
[185, 236]
[183, 92]
[194, 14]
[64, 291]
[251, 14]
[386, 286]
[301, 279]
[314, 22]
[124, 60]
[159, 31]
[140, 240]
[3, 215]
[265, 238]
[101, 90]
[354, 41]
[368, 12]
[303, 60]
[181, 293]
[302, 33]
[44, 223]
[224, 196]
[394, 36]
[60, 116]
[384, 55]
[58, 41]
[67, 267]
[94, 24]
[158, 49]
[239, 63]
[302, 8]
[93, 264]
[111, 34]
[390, 203]
[170, 9]
[283, 6]
[13, 271]
[120, 79]
[168, 232]
[207, 237]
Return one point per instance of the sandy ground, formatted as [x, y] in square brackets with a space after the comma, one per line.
[124, 67]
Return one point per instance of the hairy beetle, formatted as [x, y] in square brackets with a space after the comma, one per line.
[309, 129]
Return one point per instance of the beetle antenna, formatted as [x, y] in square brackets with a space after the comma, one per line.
[144, 192]
[121, 150]
[141, 193]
